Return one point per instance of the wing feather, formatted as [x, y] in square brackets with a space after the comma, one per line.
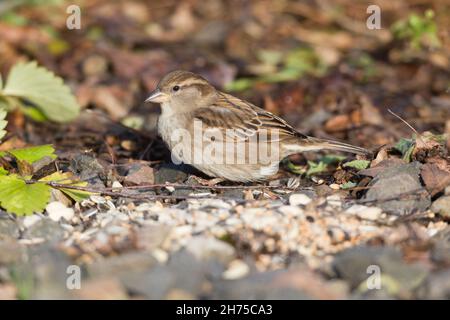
[243, 118]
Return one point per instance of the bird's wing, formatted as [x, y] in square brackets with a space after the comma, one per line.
[243, 119]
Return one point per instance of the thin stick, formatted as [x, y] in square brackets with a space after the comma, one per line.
[108, 192]
[405, 122]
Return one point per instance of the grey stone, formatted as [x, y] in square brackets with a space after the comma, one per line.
[209, 248]
[442, 206]
[237, 194]
[257, 286]
[152, 284]
[46, 229]
[440, 252]
[9, 228]
[352, 266]
[121, 264]
[398, 190]
[437, 286]
[183, 272]
[10, 251]
[42, 274]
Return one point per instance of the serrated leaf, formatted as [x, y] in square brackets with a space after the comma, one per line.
[21, 198]
[44, 89]
[357, 164]
[32, 154]
[3, 123]
[67, 178]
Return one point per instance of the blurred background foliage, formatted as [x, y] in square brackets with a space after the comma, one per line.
[314, 62]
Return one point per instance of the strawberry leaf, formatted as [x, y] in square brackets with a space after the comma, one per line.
[32, 154]
[42, 88]
[20, 198]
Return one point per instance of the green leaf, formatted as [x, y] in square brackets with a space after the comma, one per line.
[32, 154]
[3, 123]
[21, 198]
[357, 164]
[406, 147]
[348, 185]
[34, 114]
[41, 87]
[270, 57]
[3, 171]
[294, 168]
[315, 168]
[14, 19]
[239, 84]
[332, 158]
[68, 179]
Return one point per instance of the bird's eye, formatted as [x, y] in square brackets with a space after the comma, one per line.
[176, 88]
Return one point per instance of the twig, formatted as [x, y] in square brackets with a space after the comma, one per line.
[405, 122]
[121, 192]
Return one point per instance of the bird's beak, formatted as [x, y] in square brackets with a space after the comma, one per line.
[157, 97]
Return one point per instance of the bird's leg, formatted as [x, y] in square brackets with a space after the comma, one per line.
[206, 182]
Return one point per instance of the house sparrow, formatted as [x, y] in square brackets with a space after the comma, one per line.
[224, 136]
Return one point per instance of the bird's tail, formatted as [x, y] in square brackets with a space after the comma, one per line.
[338, 146]
[312, 144]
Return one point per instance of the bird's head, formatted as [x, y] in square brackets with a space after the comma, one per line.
[183, 91]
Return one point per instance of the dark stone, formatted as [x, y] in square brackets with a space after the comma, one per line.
[237, 194]
[323, 190]
[88, 168]
[398, 190]
[171, 173]
[139, 174]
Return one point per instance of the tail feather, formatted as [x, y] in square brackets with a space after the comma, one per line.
[337, 145]
[313, 144]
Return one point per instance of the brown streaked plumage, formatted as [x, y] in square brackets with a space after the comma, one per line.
[188, 99]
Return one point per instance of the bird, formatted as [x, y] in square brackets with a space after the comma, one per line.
[226, 137]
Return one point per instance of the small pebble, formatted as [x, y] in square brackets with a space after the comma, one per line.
[299, 199]
[335, 186]
[236, 270]
[28, 221]
[367, 213]
[57, 210]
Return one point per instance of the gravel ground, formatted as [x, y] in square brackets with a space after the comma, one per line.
[290, 244]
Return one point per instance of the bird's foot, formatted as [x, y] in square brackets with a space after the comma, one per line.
[208, 182]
